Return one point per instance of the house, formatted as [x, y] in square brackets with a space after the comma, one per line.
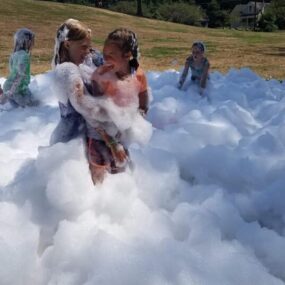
[247, 15]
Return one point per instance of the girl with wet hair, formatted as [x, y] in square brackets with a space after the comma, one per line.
[115, 111]
[15, 88]
[199, 66]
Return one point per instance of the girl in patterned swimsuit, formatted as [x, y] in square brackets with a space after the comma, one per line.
[199, 66]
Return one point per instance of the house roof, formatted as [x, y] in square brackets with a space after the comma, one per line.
[249, 8]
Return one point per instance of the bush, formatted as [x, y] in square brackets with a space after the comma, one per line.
[180, 13]
[280, 22]
[126, 7]
[267, 23]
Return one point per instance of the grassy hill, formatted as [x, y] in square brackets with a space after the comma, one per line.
[163, 45]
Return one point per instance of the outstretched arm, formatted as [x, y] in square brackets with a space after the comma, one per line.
[184, 74]
[85, 104]
[204, 76]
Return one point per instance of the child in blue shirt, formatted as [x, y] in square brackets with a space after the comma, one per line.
[199, 66]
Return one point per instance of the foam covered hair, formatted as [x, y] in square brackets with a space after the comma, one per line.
[72, 30]
[23, 39]
[60, 38]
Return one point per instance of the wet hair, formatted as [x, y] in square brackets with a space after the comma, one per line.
[127, 41]
[72, 30]
[23, 40]
[200, 45]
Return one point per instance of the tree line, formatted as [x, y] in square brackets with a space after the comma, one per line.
[211, 13]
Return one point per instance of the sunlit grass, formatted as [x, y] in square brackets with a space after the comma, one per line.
[161, 43]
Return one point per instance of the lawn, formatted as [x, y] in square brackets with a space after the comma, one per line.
[163, 45]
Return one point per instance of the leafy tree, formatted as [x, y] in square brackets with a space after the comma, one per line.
[277, 8]
[267, 22]
[139, 8]
[217, 17]
[180, 13]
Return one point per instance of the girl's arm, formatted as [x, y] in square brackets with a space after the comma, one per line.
[143, 92]
[204, 75]
[143, 102]
[85, 104]
[70, 79]
[184, 73]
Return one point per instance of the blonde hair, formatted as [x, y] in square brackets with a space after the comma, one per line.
[72, 30]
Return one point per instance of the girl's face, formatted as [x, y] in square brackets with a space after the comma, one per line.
[78, 50]
[114, 56]
[197, 53]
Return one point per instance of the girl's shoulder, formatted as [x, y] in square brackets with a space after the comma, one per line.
[140, 73]
[206, 61]
[189, 58]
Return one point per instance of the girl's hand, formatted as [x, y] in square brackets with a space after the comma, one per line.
[142, 112]
[118, 152]
[179, 85]
[202, 92]
[8, 94]
[105, 68]
[78, 90]
[116, 148]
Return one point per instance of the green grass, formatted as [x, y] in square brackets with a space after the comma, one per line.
[160, 42]
[162, 52]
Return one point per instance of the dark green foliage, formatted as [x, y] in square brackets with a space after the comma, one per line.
[126, 7]
[217, 17]
[267, 23]
[277, 8]
[214, 13]
[180, 13]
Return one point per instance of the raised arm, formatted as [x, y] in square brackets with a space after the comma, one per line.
[184, 73]
[205, 74]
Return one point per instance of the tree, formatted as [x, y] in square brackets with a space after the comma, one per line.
[217, 17]
[180, 12]
[277, 8]
[267, 22]
[139, 8]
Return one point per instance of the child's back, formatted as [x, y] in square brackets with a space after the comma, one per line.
[16, 88]
[19, 66]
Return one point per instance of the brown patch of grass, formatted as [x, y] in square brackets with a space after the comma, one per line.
[163, 45]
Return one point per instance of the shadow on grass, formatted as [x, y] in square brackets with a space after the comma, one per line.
[276, 52]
